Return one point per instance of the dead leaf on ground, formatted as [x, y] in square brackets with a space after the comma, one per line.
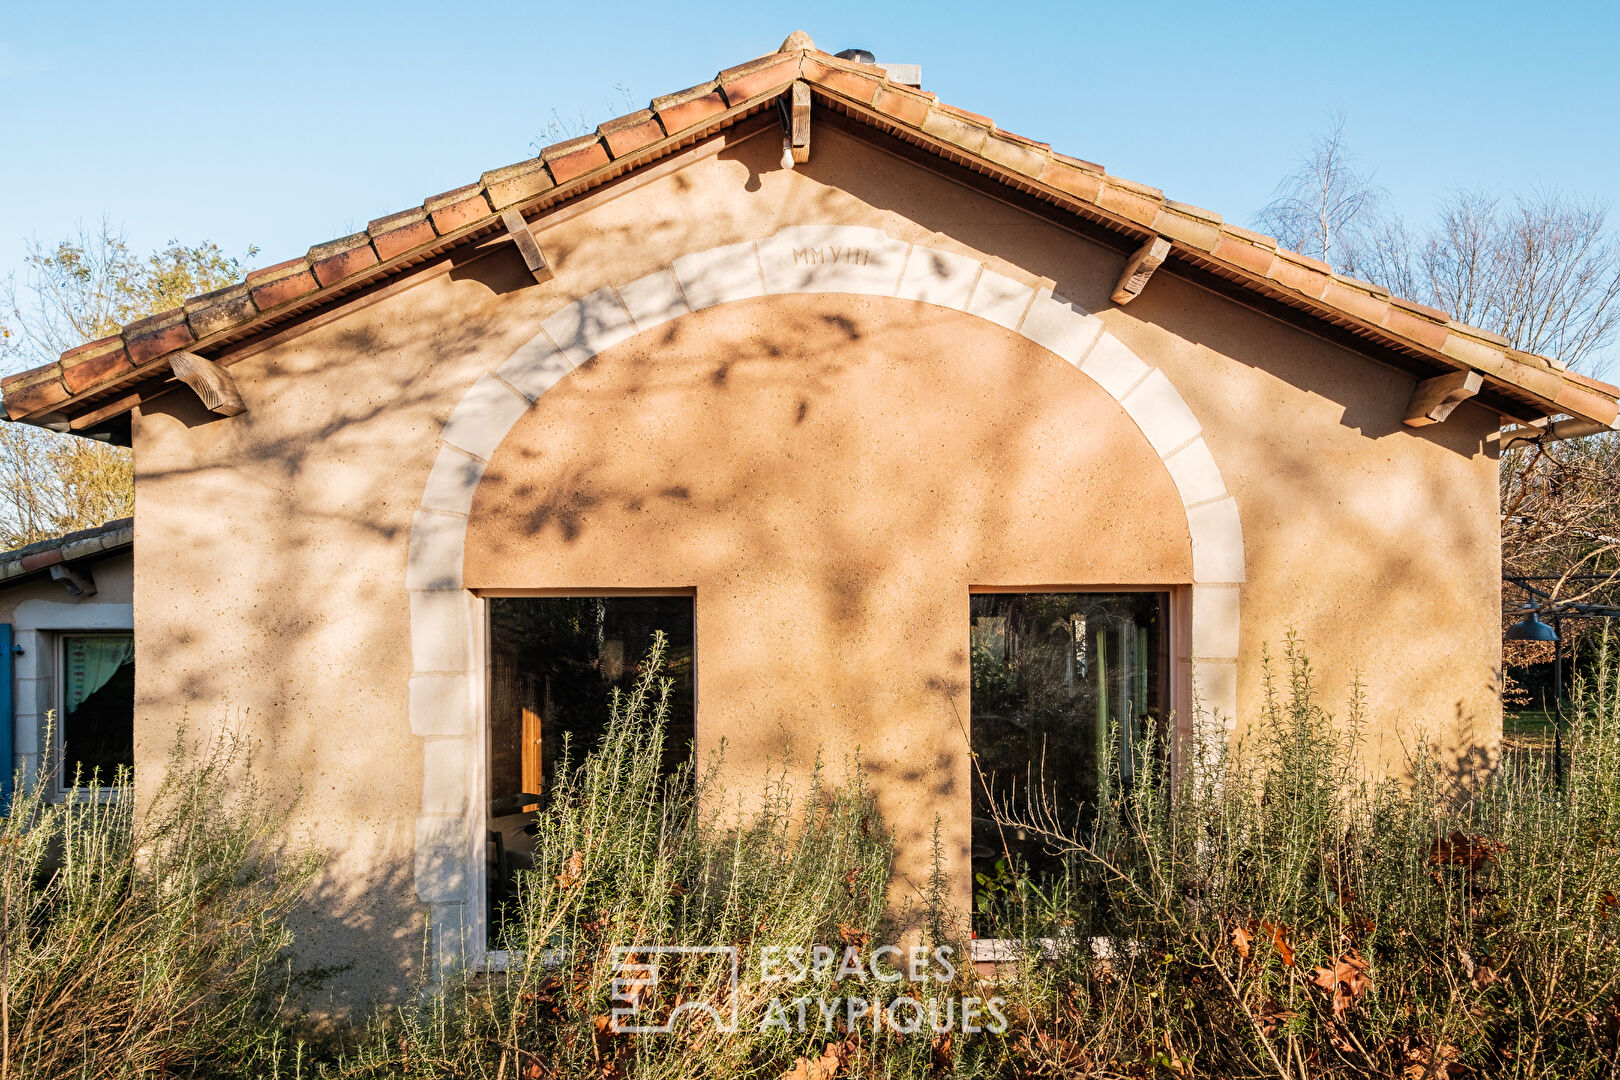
[828, 1065]
[1346, 980]
[1241, 937]
[573, 872]
[1280, 940]
[1440, 1063]
[1473, 853]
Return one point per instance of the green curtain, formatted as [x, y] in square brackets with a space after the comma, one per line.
[91, 661]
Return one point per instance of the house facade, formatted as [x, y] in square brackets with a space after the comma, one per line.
[914, 438]
[67, 659]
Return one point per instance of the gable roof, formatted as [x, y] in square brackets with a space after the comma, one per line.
[103, 379]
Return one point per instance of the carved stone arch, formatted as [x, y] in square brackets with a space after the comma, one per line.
[444, 686]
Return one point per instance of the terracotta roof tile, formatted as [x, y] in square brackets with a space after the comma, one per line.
[903, 104]
[575, 157]
[630, 133]
[1130, 201]
[1429, 333]
[1188, 225]
[89, 364]
[1069, 178]
[747, 81]
[1348, 297]
[33, 391]
[1306, 276]
[394, 235]
[1081, 186]
[149, 338]
[513, 184]
[220, 310]
[1019, 155]
[335, 260]
[688, 108]
[283, 282]
[858, 82]
[949, 126]
[456, 208]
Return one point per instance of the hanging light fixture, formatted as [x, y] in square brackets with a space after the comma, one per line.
[1531, 629]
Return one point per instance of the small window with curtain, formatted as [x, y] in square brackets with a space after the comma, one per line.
[1067, 691]
[96, 721]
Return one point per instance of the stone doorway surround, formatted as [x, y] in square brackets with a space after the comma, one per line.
[445, 690]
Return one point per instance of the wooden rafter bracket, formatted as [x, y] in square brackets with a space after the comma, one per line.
[533, 257]
[212, 383]
[795, 107]
[1139, 267]
[1434, 399]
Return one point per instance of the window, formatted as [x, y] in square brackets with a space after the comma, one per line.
[96, 732]
[1062, 686]
[554, 661]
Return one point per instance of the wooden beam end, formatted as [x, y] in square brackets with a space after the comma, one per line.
[1139, 268]
[1433, 400]
[212, 383]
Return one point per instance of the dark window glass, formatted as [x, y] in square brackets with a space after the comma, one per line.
[554, 663]
[98, 707]
[1062, 685]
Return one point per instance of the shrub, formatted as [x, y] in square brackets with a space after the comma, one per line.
[625, 858]
[134, 944]
[1282, 914]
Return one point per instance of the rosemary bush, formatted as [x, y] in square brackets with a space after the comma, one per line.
[1285, 915]
[134, 944]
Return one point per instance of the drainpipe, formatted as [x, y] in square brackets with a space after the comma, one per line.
[7, 714]
[1549, 433]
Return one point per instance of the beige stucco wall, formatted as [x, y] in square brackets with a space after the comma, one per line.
[270, 584]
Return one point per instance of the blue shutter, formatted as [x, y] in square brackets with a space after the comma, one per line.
[7, 761]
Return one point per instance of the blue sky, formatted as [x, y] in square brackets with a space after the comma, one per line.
[283, 125]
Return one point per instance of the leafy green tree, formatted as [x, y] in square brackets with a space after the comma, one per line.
[81, 288]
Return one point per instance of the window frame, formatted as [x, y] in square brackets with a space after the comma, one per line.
[1176, 665]
[60, 789]
[480, 956]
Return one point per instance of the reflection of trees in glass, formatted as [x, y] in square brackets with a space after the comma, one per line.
[1060, 684]
[555, 662]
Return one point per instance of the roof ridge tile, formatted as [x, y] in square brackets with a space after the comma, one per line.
[671, 117]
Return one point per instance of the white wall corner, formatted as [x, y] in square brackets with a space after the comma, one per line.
[1195, 473]
[1113, 366]
[594, 322]
[441, 858]
[446, 775]
[999, 299]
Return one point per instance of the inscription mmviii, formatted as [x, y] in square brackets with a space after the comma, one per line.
[822, 256]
